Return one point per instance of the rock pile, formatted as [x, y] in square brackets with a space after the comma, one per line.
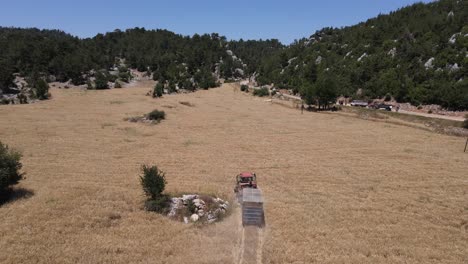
[197, 208]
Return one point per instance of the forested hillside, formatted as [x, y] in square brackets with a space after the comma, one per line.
[188, 62]
[417, 54]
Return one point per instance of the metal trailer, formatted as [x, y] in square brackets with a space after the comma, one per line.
[252, 207]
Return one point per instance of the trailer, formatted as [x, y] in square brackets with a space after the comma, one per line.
[252, 207]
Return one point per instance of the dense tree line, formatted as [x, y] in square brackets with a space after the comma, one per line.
[175, 60]
[417, 54]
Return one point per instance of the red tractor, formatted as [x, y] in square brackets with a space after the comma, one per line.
[245, 180]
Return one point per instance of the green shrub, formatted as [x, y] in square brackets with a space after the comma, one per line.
[387, 98]
[261, 92]
[42, 89]
[111, 77]
[465, 123]
[101, 81]
[244, 88]
[156, 115]
[124, 76]
[153, 182]
[10, 167]
[158, 90]
[123, 69]
[89, 85]
[171, 87]
[117, 84]
[191, 206]
[159, 205]
[156, 76]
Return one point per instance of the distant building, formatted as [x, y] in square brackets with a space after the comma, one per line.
[342, 100]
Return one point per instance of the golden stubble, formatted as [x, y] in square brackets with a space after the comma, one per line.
[338, 189]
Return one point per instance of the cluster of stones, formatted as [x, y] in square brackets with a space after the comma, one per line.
[200, 213]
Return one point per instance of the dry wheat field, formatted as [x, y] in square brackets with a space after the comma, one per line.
[337, 189]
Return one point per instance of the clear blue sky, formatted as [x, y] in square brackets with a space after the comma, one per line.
[247, 19]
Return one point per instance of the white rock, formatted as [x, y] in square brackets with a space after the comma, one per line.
[187, 197]
[429, 63]
[362, 56]
[318, 60]
[454, 67]
[451, 14]
[453, 38]
[185, 220]
[198, 202]
[201, 213]
[194, 218]
[291, 60]
[229, 52]
[211, 217]
[175, 204]
[392, 52]
[240, 71]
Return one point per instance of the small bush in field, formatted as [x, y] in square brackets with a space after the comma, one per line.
[158, 90]
[244, 88]
[261, 92]
[10, 167]
[159, 205]
[42, 89]
[156, 115]
[153, 181]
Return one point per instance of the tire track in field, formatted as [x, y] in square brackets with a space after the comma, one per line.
[250, 245]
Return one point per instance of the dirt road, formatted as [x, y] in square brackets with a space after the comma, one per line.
[454, 118]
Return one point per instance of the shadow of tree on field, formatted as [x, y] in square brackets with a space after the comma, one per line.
[14, 194]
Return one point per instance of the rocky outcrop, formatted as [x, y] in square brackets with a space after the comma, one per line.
[197, 208]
